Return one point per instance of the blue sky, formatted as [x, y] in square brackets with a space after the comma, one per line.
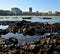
[37, 5]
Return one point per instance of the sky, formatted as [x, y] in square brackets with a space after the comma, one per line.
[37, 5]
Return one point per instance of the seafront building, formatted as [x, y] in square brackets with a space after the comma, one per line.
[57, 12]
[7, 12]
[50, 12]
[16, 11]
[30, 9]
[1, 12]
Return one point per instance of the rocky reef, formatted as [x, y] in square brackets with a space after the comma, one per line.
[45, 45]
[30, 28]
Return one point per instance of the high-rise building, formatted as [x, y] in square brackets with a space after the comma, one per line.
[30, 9]
[50, 12]
[16, 11]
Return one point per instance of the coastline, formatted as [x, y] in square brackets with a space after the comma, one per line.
[21, 16]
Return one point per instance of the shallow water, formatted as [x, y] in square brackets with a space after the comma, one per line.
[21, 38]
[54, 19]
[4, 27]
[34, 19]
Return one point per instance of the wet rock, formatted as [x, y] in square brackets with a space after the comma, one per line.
[24, 43]
[35, 49]
[11, 46]
[32, 47]
[13, 40]
[7, 41]
[17, 46]
[2, 41]
[30, 32]
[23, 22]
[3, 32]
[37, 42]
[57, 48]
[42, 32]
[5, 48]
[14, 51]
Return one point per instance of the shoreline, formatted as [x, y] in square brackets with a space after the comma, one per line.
[22, 16]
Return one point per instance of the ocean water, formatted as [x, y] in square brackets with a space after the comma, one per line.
[40, 19]
[35, 19]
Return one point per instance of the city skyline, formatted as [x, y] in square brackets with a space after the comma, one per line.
[37, 5]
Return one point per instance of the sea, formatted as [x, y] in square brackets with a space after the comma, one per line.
[21, 38]
[35, 19]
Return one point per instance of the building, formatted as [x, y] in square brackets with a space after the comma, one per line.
[50, 12]
[7, 12]
[37, 12]
[30, 9]
[57, 12]
[1, 12]
[16, 11]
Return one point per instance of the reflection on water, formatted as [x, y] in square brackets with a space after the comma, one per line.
[21, 38]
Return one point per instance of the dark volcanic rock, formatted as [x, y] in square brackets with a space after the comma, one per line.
[48, 45]
[30, 32]
[32, 28]
[13, 40]
[3, 32]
